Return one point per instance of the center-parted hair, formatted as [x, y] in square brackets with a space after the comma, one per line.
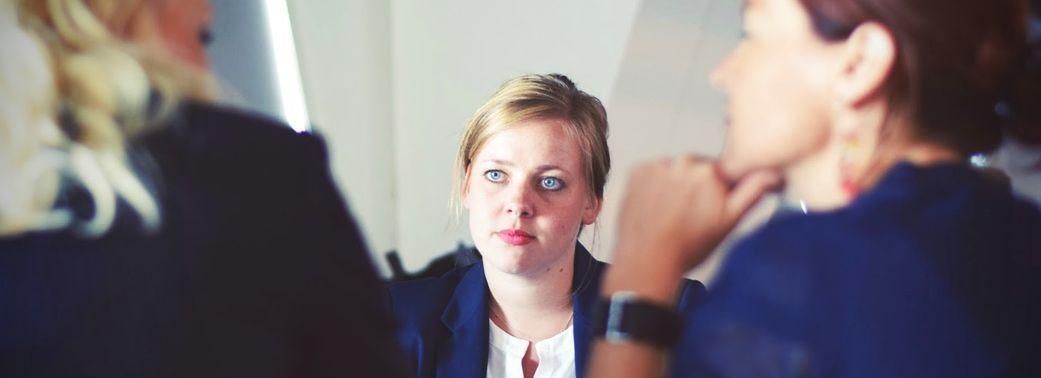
[539, 97]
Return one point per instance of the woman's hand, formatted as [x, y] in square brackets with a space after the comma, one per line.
[677, 211]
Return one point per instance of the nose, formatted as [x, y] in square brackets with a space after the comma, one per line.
[518, 202]
[720, 76]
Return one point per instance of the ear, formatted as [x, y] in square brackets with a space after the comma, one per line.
[592, 210]
[868, 58]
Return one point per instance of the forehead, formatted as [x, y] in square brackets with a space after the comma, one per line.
[781, 17]
[533, 142]
[750, 5]
[760, 4]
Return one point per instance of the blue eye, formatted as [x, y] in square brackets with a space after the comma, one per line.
[551, 183]
[494, 175]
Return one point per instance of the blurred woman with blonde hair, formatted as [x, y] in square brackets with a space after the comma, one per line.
[144, 232]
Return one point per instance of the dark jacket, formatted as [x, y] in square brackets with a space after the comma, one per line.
[257, 271]
[935, 272]
[444, 321]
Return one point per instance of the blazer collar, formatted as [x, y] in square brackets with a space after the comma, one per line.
[465, 352]
[469, 301]
[585, 288]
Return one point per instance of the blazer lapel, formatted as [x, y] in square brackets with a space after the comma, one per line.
[586, 289]
[464, 353]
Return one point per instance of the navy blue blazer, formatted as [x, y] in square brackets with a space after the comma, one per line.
[936, 272]
[443, 322]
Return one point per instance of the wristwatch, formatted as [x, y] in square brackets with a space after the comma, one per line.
[626, 318]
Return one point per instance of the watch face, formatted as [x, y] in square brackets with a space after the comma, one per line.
[624, 318]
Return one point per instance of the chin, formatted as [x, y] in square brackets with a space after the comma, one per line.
[733, 169]
[509, 262]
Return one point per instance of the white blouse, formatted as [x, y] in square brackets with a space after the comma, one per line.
[505, 352]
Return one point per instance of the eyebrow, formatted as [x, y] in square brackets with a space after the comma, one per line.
[541, 168]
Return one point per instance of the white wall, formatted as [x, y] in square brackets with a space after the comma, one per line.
[344, 55]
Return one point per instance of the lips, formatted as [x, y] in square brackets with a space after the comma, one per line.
[515, 237]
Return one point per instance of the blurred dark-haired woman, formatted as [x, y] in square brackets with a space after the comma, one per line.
[908, 262]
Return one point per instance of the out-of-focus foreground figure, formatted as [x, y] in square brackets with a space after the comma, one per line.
[144, 233]
[914, 264]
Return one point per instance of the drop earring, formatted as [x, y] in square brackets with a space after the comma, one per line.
[852, 156]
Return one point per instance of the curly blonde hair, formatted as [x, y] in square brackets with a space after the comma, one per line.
[104, 91]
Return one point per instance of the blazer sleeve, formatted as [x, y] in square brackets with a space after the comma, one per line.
[740, 329]
[409, 334]
[350, 330]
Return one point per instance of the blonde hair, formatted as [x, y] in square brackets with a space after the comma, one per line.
[76, 71]
[530, 97]
[26, 129]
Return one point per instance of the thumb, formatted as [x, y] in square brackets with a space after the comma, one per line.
[748, 191]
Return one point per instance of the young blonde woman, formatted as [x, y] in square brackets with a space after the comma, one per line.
[531, 170]
[144, 233]
[918, 266]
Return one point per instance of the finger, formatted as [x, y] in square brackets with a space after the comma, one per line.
[692, 159]
[690, 167]
[645, 168]
[748, 191]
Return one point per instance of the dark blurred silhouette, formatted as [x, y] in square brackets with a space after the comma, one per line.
[179, 238]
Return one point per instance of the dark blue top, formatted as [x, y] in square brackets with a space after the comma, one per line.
[258, 270]
[444, 321]
[934, 273]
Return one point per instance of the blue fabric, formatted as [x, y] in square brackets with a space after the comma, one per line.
[934, 273]
[444, 321]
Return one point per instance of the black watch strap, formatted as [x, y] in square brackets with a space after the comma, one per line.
[624, 317]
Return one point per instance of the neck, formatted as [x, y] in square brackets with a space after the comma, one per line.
[815, 181]
[532, 306]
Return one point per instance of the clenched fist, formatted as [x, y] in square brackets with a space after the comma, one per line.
[676, 211]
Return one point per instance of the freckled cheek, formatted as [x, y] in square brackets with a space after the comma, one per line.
[560, 220]
[482, 210]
